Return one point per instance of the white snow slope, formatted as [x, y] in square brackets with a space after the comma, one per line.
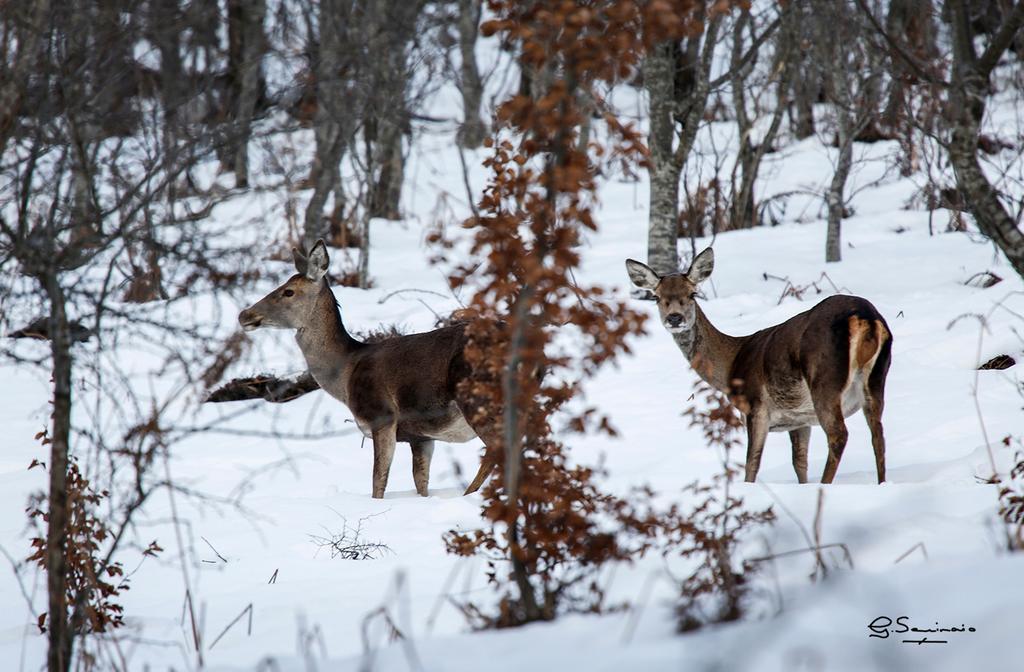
[313, 616]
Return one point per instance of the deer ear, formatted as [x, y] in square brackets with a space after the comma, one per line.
[642, 275]
[301, 263]
[702, 266]
[317, 261]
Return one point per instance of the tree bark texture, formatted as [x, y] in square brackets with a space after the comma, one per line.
[677, 81]
[60, 635]
[248, 88]
[663, 226]
[471, 133]
[327, 124]
[969, 88]
[744, 204]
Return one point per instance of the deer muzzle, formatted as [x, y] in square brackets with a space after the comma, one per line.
[250, 319]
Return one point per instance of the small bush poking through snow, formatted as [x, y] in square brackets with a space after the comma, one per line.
[349, 543]
[719, 588]
[1011, 499]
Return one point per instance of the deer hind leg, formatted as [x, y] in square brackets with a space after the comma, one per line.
[422, 452]
[873, 413]
[757, 432]
[486, 431]
[383, 453]
[487, 463]
[800, 439]
[874, 403]
[830, 415]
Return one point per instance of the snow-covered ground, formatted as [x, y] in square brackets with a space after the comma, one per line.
[313, 613]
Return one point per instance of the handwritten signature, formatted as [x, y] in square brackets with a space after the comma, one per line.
[883, 626]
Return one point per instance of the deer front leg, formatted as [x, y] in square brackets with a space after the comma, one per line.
[383, 453]
[757, 431]
[422, 451]
[800, 439]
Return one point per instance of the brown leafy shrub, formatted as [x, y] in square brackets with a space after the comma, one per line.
[93, 583]
[719, 588]
[704, 211]
[1011, 499]
[548, 527]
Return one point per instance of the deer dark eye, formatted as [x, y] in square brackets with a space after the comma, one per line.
[693, 296]
[288, 292]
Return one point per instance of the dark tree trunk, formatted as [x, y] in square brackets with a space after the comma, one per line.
[744, 205]
[387, 192]
[114, 77]
[28, 36]
[965, 110]
[911, 22]
[60, 635]
[247, 72]
[386, 117]
[165, 31]
[473, 129]
[807, 85]
[327, 128]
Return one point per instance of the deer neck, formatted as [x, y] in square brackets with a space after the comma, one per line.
[325, 343]
[710, 352]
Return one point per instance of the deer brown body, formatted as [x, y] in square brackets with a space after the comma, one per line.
[816, 368]
[401, 389]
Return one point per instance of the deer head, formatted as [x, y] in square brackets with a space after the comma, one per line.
[293, 304]
[675, 292]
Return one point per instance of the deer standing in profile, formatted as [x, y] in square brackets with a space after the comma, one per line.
[401, 389]
[816, 368]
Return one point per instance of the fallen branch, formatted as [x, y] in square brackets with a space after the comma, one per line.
[265, 386]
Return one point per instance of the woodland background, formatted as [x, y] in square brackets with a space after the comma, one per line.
[499, 160]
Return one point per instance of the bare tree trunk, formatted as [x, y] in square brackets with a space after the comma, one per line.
[29, 36]
[744, 205]
[165, 31]
[677, 83]
[330, 136]
[473, 129]
[386, 192]
[807, 85]
[663, 226]
[694, 68]
[835, 196]
[910, 21]
[60, 635]
[840, 46]
[512, 443]
[248, 71]
[969, 88]
[114, 77]
[386, 118]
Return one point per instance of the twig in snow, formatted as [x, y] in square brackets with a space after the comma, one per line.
[248, 632]
[817, 536]
[920, 544]
[812, 549]
[217, 553]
